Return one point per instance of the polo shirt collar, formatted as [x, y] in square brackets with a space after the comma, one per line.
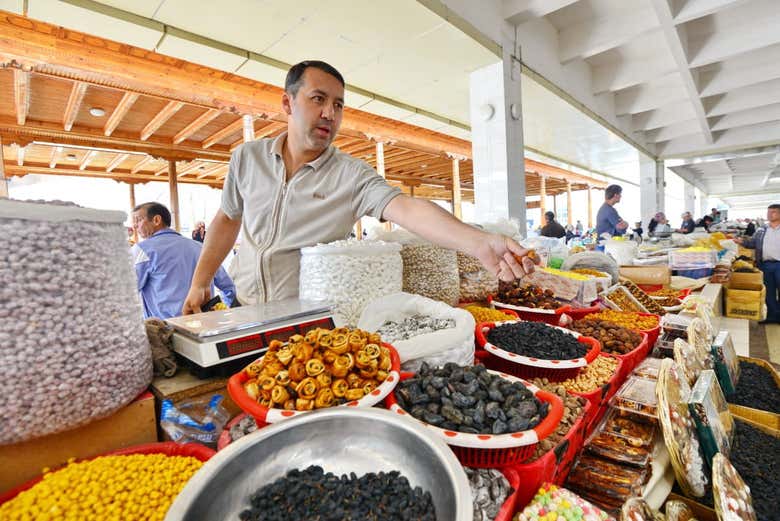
[164, 231]
[278, 144]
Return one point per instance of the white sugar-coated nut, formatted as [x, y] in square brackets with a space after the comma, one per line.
[69, 317]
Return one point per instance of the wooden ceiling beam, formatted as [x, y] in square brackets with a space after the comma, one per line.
[200, 122]
[82, 136]
[116, 161]
[210, 170]
[224, 132]
[21, 95]
[20, 155]
[124, 105]
[365, 145]
[55, 154]
[87, 159]
[124, 176]
[194, 165]
[74, 104]
[162, 170]
[142, 163]
[159, 120]
[269, 129]
[33, 44]
[407, 160]
[554, 172]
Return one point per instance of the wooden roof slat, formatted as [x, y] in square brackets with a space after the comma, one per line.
[162, 170]
[14, 170]
[221, 134]
[74, 103]
[210, 170]
[269, 129]
[20, 155]
[116, 161]
[194, 165]
[119, 112]
[55, 153]
[200, 122]
[142, 163]
[87, 159]
[21, 95]
[164, 115]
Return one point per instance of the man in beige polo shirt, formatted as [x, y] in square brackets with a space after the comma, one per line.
[298, 190]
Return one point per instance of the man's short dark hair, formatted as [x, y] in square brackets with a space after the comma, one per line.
[550, 216]
[295, 75]
[774, 207]
[153, 209]
[612, 191]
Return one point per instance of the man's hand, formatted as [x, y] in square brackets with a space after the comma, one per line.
[504, 257]
[195, 299]
[621, 225]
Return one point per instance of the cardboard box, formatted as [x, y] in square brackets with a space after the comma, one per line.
[134, 424]
[655, 275]
[754, 281]
[746, 252]
[745, 303]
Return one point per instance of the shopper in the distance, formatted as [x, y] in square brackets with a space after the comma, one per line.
[298, 190]
[766, 241]
[199, 233]
[688, 224]
[552, 228]
[165, 262]
[608, 220]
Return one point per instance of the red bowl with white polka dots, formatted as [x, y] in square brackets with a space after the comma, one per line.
[265, 414]
[494, 450]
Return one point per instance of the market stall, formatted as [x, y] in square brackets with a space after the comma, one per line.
[586, 391]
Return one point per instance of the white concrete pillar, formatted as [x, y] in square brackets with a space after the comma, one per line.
[651, 187]
[701, 197]
[497, 142]
[690, 198]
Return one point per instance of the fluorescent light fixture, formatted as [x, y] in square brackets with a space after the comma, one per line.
[97, 112]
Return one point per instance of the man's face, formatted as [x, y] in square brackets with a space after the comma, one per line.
[145, 226]
[314, 113]
[773, 215]
[616, 198]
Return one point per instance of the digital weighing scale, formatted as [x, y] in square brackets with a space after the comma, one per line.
[222, 342]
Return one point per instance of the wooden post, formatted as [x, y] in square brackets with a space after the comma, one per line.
[249, 127]
[568, 202]
[543, 196]
[555, 205]
[590, 207]
[456, 195]
[3, 180]
[174, 191]
[411, 191]
[132, 205]
[359, 230]
[380, 169]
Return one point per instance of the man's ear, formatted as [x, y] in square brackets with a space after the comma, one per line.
[157, 220]
[287, 103]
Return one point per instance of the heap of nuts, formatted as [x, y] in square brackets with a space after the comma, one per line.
[627, 319]
[650, 305]
[592, 376]
[668, 302]
[573, 408]
[482, 314]
[526, 295]
[431, 271]
[614, 339]
[622, 299]
[321, 369]
[664, 292]
[476, 283]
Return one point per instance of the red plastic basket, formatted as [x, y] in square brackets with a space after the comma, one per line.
[548, 316]
[529, 367]
[554, 465]
[265, 415]
[652, 334]
[489, 450]
[224, 438]
[169, 448]
[510, 503]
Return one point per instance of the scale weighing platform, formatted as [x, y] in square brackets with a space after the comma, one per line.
[220, 343]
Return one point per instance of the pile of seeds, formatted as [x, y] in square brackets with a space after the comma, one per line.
[476, 283]
[312, 494]
[614, 339]
[470, 399]
[483, 314]
[413, 326]
[489, 490]
[526, 295]
[537, 340]
[756, 388]
[573, 408]
[431, 271]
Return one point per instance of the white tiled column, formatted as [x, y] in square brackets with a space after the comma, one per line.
[690, 198]
[497, 142]
[651, 187]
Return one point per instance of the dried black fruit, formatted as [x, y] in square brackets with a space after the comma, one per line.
[537, 340]
[756, 388]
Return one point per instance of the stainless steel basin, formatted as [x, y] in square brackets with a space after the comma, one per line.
[341, 440]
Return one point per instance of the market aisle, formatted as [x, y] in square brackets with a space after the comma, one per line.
[773, 342]
[765, 342]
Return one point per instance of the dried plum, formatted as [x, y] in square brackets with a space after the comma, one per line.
[312, 494]
[756, 388]
[537, 340]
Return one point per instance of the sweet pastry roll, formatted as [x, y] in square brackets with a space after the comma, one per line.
[362, 358]
[324, 398]
[373, 351]
[282, 377]
[339, 387]
[340, 343]
[252, 389]
[289, 405]
[307, 388]
[354, 394]
[314, 367]
[302, 351]
[296, 339]
[297, 371]
[285, 354]
[302, 404]
[324, 379]
[266, 382]
[279, 394]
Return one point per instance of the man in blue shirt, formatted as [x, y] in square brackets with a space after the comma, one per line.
[165, 262]
[608, 220]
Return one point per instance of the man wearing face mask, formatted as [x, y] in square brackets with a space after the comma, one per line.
[297, 190]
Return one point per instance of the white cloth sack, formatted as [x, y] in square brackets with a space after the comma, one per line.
[437, 348]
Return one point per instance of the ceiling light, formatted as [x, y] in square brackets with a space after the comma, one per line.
[71, 157]
[97, 112]
[774, 180]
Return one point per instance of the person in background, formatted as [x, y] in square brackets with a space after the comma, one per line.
[552, 228]
[297, 189]
[688, 224]
[655, 220]
[164, 263]
[750, 229]
[569, 232]
[199, 233]
[637, 231]
[607, 219]
[578, 228]
[766, 241]
[705, 222]
[715, 215]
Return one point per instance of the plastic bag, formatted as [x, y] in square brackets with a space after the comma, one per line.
[624, 252]
[476, 283]
[199, 420]
[349, 274]
[447, 345]
[594, 260]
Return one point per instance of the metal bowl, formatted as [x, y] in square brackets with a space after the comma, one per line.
[340, 440]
